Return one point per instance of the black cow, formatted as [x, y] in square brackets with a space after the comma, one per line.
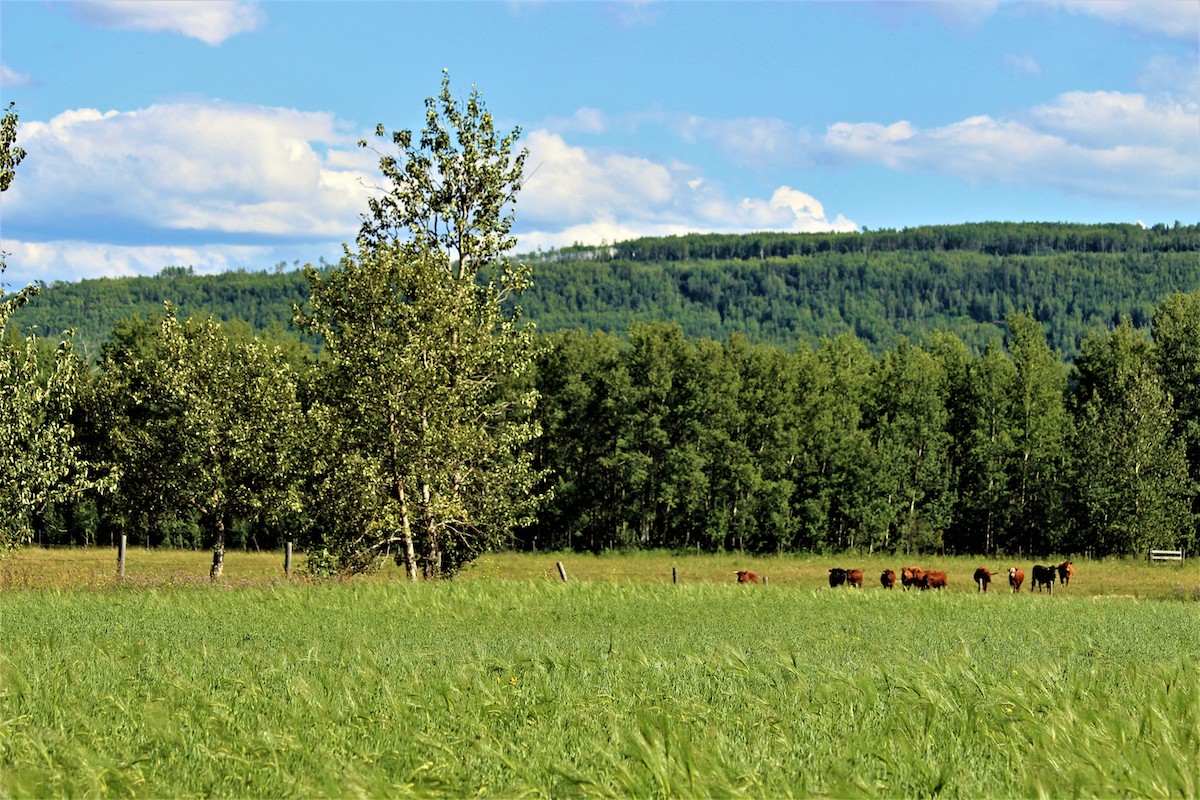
[836, 577]
[1044, 576]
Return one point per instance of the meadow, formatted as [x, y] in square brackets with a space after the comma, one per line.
[617, 683]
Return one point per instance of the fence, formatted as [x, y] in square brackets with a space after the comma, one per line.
[123, 546]
[1166, 555]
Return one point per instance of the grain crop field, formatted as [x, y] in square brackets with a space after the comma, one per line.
[616, 684]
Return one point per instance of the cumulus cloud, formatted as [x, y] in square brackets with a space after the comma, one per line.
[210, 21]
[211, 167]
[1106, 145]
[576, 194]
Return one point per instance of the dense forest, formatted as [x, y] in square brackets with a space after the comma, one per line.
[780, 289]
[957, 390]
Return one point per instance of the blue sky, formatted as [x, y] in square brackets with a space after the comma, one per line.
[223, 135]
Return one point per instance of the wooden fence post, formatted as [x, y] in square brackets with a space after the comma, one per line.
[562, 571]
[121, 557]
[674, 574]
[287, 561]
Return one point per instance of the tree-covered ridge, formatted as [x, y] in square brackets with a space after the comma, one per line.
[878, 296]
[92, 307]
[990, 238]
[776, 288]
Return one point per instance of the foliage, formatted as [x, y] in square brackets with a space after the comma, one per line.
[10, 154]
[422, 420]
[39, 461]
[1133, 485]
[202, 426]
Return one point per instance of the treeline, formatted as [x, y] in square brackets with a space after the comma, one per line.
[787, 290]
[988, 238]
[663, 441]
[656, 439]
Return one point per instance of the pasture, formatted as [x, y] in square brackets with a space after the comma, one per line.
[616, 684]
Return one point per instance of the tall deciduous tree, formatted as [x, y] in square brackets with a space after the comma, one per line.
[39, 460]
[424, 395]
[1176, 327]
[909, 421]
[203, 426]
[1132, 470]
[1040, 431]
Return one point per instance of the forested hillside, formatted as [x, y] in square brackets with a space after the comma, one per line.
[92, 307]
[780, 289]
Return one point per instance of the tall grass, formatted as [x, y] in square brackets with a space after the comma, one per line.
[594, 688]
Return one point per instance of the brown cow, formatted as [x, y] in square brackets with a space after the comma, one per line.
[837, 576]
[1065, 570]
[747, 576]
[910, 576]
[1043, 576]
[1016, 576]
[888, 579]
[933, 580]
[854, 578]
[983, 576]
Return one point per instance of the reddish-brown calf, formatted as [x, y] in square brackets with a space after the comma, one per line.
[1016, 576]
[747, 576]
[933, 580]
[910, 576]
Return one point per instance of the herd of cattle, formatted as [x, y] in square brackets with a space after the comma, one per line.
[1043, 577]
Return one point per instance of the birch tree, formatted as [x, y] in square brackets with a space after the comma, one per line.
[424, 394]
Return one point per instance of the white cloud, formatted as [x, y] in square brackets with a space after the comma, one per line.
[575, 194]
[211, 167]
[1105, 145]
[752, 141]
[1172, 74]
[1109, 119]
[1024, 65]
[1173, 19]
[1176, 19]
[571, 183]
[210, 21]
[11, 79]
[34, 261]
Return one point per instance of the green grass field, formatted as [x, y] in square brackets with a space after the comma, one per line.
[617, 684]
